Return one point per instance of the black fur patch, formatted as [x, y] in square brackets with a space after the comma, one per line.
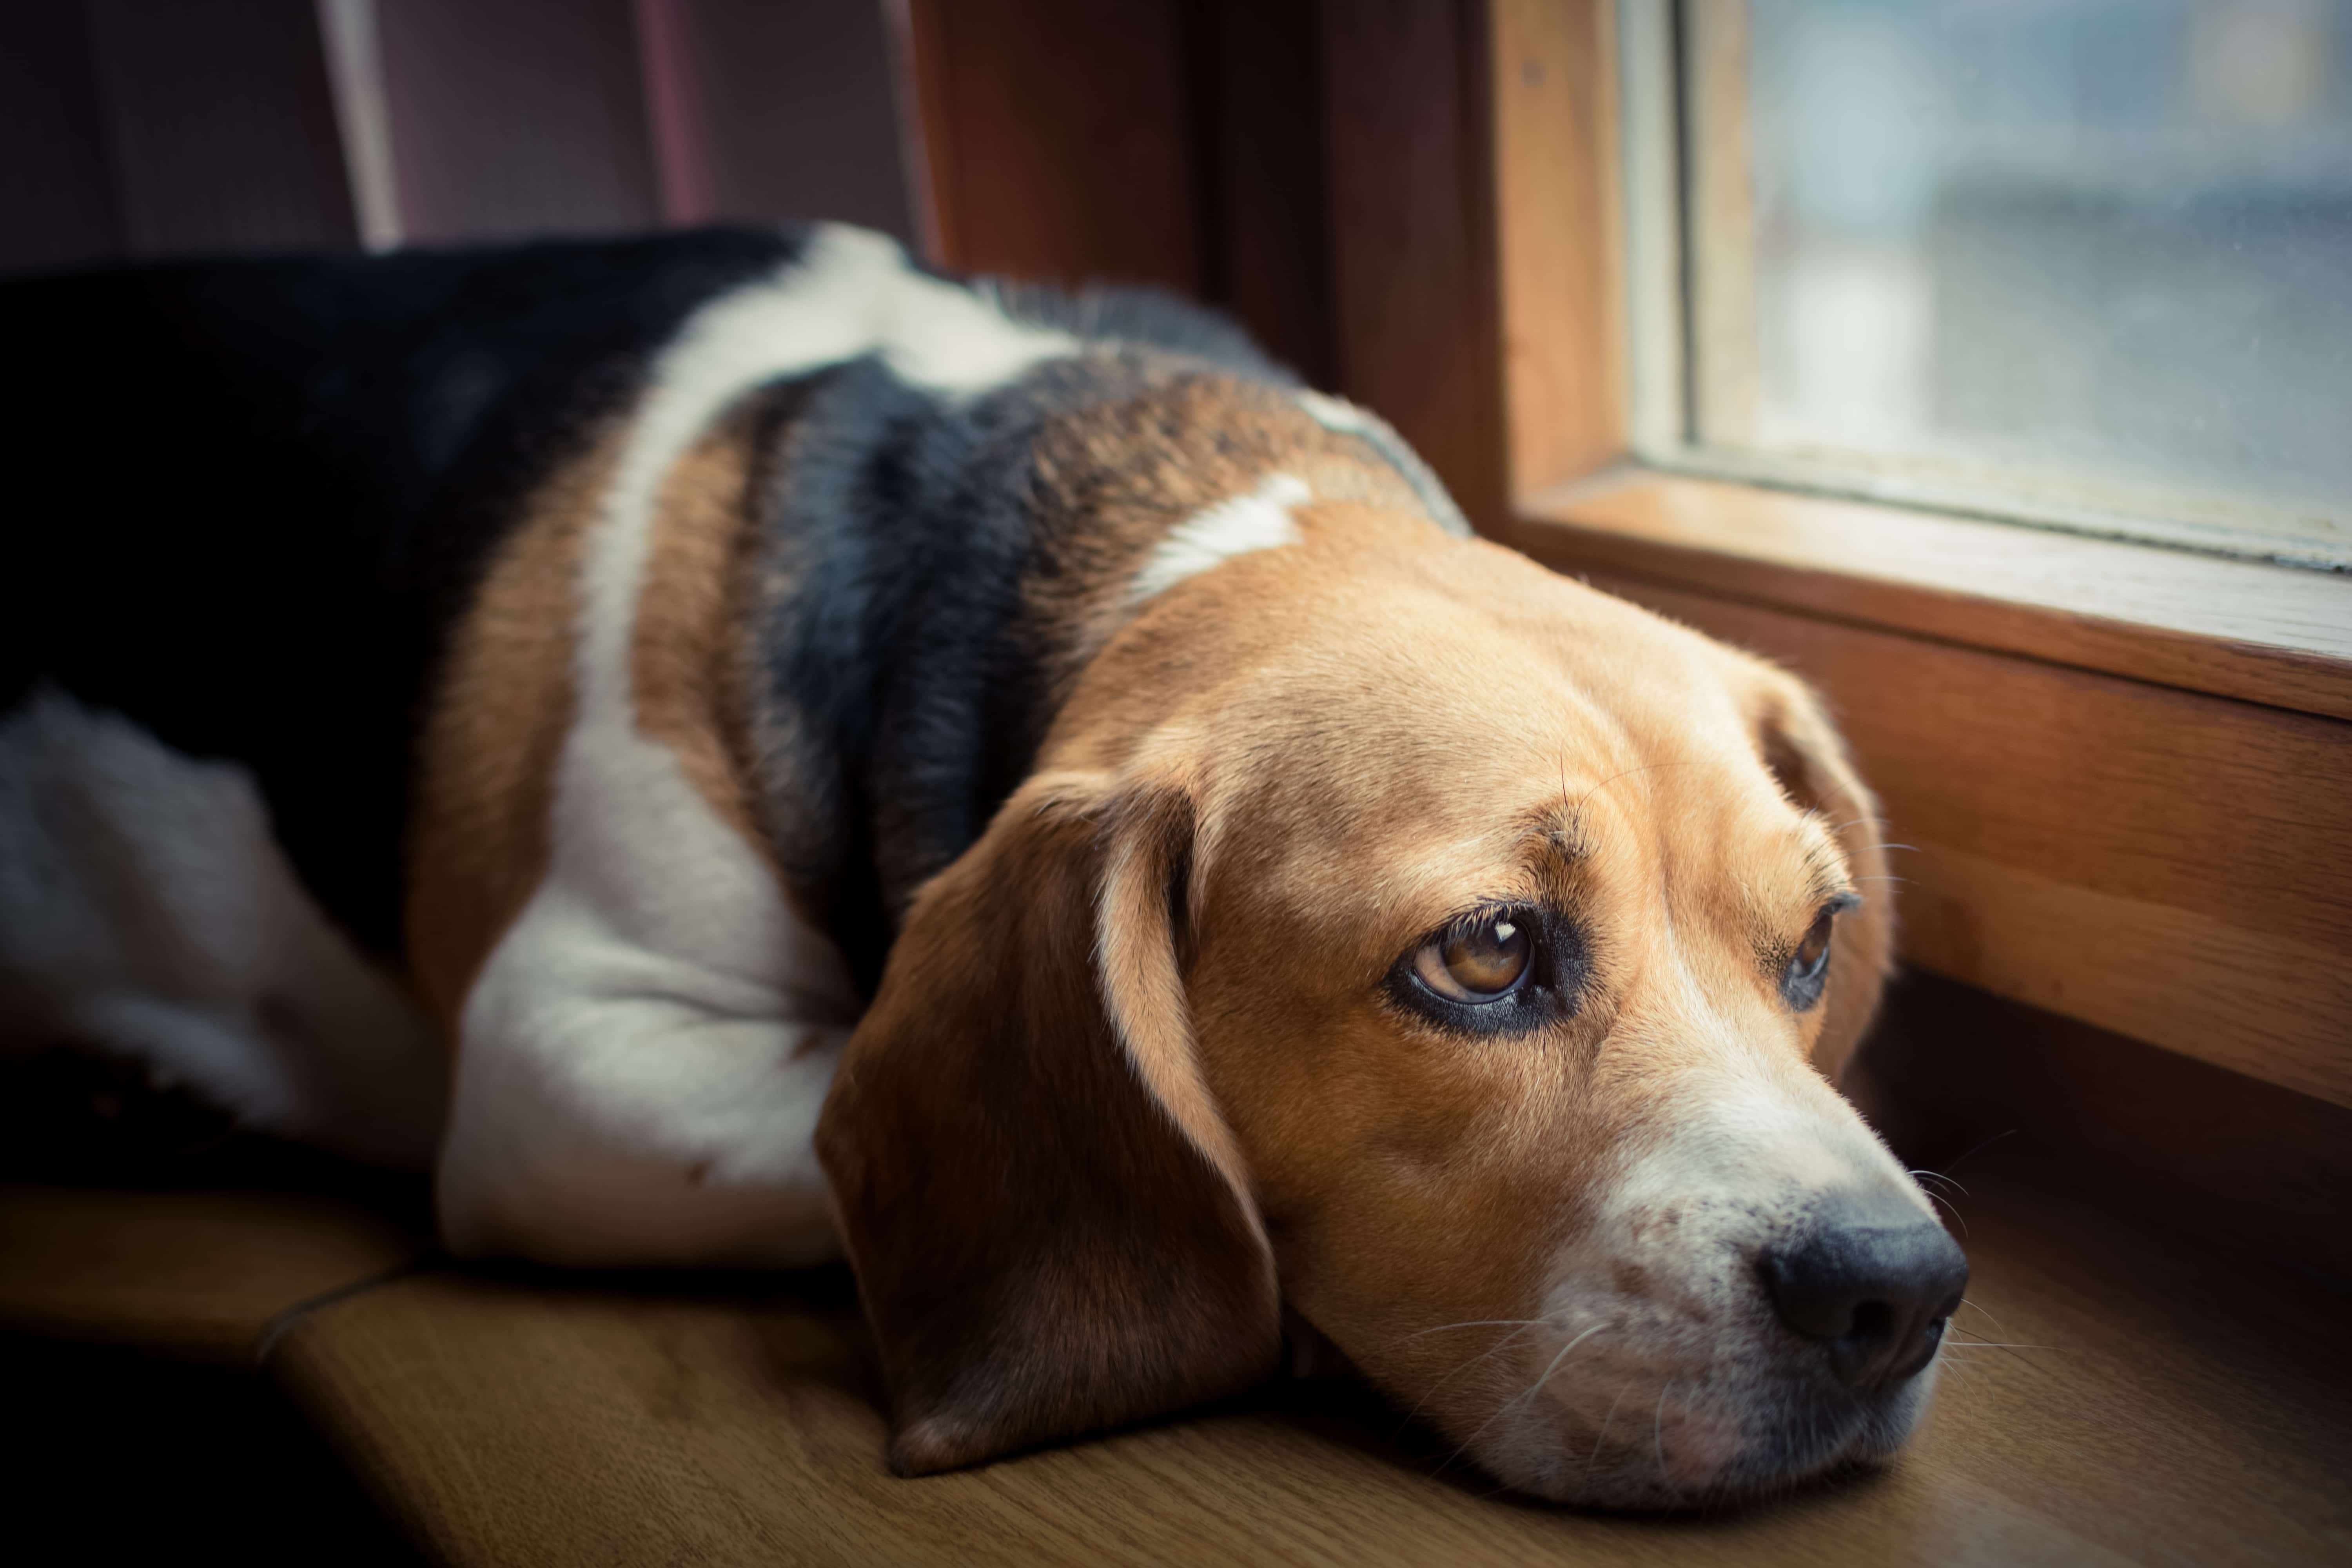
[901, 695]
[246, 497]
[251, 496]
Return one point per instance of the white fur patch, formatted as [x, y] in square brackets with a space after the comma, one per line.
[1258, 520]
[1338, 414]
[644, 1054]
[146, 912]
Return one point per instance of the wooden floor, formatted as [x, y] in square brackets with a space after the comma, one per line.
[2116, 1395]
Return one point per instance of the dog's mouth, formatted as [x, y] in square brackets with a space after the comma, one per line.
[1661, 1444]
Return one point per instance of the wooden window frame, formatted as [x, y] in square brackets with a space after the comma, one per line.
[2127, 767]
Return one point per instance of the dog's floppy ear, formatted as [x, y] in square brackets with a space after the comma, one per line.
[1803, 750]
[1048, 1215]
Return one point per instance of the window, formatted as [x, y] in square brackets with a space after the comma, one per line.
[2087, 263]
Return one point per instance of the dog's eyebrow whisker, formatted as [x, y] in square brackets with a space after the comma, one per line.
[1629, 772]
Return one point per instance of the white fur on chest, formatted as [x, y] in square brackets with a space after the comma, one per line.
[642, 1059]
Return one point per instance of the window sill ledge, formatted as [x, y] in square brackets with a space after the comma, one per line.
[2275, 635]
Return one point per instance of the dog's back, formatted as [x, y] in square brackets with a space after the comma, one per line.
[249, 494]
[258, 503]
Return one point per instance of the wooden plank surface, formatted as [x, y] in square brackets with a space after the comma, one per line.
[2279, 635]
[200, 1274]
[2165, 865]
[2160, 1409]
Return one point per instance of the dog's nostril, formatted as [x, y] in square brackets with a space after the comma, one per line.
[1872, 1320]
[1875, 1296]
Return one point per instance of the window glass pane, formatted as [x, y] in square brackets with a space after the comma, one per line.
[2098, 251]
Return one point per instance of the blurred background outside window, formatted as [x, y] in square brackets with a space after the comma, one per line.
[2081, 261]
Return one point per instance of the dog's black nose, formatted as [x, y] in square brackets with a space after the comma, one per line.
[1872, 1284]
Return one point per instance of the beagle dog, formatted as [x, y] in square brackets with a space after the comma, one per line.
[735, 749]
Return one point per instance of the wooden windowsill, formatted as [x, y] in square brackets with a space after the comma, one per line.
[2275, 635]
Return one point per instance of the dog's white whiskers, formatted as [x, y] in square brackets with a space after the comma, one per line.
[1658, 1441]
[1958, 1218]
[1516, 1400]
[1940, 1176]
[1562, 1356]
[1523, 1325]
[1472, 1323]
[1966, 1302]
[1601, 1435]
[1999, 1344]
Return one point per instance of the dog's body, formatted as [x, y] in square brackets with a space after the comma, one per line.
[687, 661]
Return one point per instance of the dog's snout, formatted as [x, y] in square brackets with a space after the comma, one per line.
[1873, 1289]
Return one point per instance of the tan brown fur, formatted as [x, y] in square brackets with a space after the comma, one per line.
[486, 775]
[1110, 480]
[688, 644]
[479, 837]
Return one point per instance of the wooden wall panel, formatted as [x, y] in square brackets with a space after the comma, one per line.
[2158, 863]
[1057, 138]
[1177, 143]
[1257, 83]
[1413, 232]
[1951, 1072]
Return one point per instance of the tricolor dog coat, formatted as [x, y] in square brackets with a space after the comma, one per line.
[732, 748]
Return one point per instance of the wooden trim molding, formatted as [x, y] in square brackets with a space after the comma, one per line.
[1559, 245]
[2276, 635]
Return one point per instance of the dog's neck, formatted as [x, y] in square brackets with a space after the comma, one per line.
[930, 576]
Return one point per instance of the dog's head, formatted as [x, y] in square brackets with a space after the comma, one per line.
[1400, 933]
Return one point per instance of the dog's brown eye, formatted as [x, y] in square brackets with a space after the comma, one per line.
[1814, 951]
[1809, 966]
[1480, 964]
